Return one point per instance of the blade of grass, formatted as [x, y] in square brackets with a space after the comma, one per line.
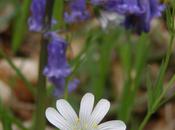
[125, 55]
[150, 96]
[20, 25]
[133, 79]
[106, 43]
[78, 61]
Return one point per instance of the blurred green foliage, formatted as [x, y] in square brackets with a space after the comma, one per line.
[134, 57]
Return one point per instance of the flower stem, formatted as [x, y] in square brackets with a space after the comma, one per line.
[66, 89]
[41, 88]
[157, 103]
[148, 115]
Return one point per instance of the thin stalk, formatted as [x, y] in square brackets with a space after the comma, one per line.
[156, 104]
[41, 88]
[169, 86]
[77, 62]
[147, 117]
[167, 58]
[169, 51]
[77, 65]
[66, 89]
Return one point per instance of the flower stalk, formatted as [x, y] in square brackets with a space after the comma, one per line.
[158, 101]
[41, 88]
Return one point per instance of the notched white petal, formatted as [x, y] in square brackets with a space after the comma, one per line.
[99, 111]
[56, 119]
[66, 118]
[86, 107]
[66, 111]
[112, 125]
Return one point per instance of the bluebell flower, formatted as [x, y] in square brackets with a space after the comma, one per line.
[60, 85]
[142, 22]
[77, 12]
[97, 2]
[36, 20]
[57, 65]
[108, 5]
[129, 7]
[57, 68]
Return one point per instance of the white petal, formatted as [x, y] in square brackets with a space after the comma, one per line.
[103, 22]
[86, 106]
[56, 119]
[99, 111]
[67, 111]
[110, 19]
[112, 125]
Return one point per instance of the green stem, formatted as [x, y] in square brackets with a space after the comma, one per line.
[74, 70]
[77, 62]
[41, 88]
[169, 51]
[148, 115]
[66, 89]
[157, 103]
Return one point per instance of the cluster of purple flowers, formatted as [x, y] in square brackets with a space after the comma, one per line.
[137, 14]
[57, 68]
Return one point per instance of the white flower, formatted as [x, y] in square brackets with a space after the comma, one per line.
[110, 19]
[66, 118]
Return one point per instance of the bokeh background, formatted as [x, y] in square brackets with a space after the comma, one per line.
[113, 64]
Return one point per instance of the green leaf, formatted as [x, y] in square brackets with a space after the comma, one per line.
[142, 51]
[150, 91]
[134, 78]
[125, 55]
[4, 116]
[106, 43]
[20, 26]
